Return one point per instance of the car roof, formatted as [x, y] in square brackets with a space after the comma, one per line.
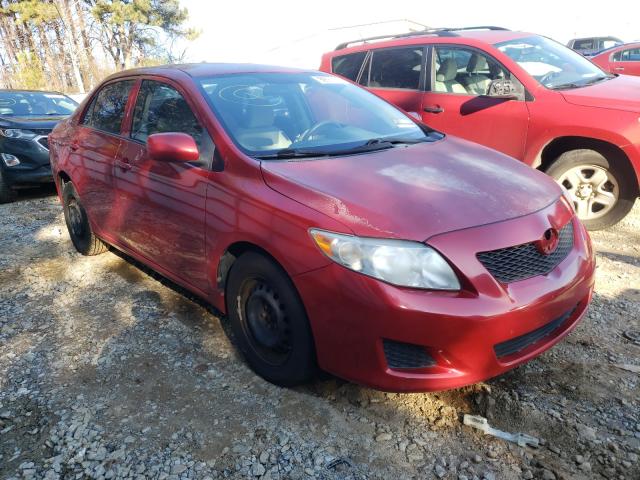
[198, 70]
[618, 48]
[484, 36]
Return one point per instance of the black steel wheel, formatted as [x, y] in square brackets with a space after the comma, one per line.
[269, 322]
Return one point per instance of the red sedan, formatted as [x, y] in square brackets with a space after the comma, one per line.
[623, 60]
[332, 229]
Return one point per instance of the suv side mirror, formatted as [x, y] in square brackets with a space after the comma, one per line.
[172, 147]
[503, 88]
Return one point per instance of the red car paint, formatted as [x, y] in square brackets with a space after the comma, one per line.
[180, 219]
[531, 131]
[623, 59]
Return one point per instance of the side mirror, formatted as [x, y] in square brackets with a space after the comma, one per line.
[503, 88]
[172, 147]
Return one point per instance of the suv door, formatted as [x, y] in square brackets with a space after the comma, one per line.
[397, 75]
[94, 149]
[164, 202]
[456, 102]
[626, 62]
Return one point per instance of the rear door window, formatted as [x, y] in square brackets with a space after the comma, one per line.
[396, 68]
[348, 66]
[107, 110]
[586, 44]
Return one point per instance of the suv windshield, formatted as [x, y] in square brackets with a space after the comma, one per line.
[32, 104]
[294, 114]
[552, 64]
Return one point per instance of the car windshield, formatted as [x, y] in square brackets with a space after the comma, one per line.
[295, 114]
[35, 104]
[552, 64]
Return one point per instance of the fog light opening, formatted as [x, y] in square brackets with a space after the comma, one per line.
[10, 160]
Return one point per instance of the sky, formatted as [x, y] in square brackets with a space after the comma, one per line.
[296, 33]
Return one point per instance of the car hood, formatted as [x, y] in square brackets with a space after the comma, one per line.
[44, 122]
[415, 192]
[620, 93]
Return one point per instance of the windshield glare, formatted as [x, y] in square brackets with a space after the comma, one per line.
[550, 63]
[30, 104]
[270, 112]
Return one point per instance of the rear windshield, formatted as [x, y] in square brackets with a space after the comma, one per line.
[26, 104]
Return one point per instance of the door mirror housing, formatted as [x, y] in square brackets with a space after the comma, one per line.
[503, 88]
[172, 147]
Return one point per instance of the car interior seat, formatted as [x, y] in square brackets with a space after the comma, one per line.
[258, 130]
[475, 81]
[446, 78]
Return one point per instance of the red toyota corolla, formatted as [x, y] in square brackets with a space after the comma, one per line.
[332, 229]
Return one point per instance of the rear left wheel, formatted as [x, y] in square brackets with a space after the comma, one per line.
[269, 322]
[75, 216]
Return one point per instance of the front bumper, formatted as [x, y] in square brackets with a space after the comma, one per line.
[353, 316]
[34, 167]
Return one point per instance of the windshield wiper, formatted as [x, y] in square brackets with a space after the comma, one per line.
[564, 86]
[293, 153]
[370, 145]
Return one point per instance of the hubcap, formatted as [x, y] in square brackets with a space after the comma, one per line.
[268, 326]
[592, 188]
[75, 219]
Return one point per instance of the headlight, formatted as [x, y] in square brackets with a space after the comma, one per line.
[400, 262]
[17, 133]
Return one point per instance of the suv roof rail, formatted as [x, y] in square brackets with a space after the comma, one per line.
[440, 32]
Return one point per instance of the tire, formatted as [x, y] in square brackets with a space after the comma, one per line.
[268, 321]
[7, 194]
[603, 192]
[75, 216]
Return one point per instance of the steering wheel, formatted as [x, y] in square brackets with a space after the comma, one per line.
[548, 76]
[307, 134]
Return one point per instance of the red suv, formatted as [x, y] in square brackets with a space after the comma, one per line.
[330, 227]
[521, 94]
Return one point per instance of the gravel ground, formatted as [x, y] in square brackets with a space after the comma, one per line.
[107, 371]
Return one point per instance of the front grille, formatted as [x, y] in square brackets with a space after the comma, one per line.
[517, 344]
[513, 264]
[406, 355]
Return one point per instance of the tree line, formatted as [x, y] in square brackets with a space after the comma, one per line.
[70, 45]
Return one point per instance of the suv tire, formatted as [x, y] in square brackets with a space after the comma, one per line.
[268, 321]
[75, 216]
[602, 191]
[7, 194]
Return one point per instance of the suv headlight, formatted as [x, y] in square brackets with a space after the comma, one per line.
[17, 133]
[399, 262]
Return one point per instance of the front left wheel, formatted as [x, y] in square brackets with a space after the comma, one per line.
[75, 216]
[269, 322]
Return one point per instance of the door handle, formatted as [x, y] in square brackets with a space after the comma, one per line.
[619, 69]
[124, 164]
[434, 109]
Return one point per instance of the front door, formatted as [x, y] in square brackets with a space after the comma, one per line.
[455, 101]
[163, 203]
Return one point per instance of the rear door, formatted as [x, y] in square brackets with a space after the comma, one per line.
[397, 75]
[93, 152]
[455, 100]
[164, 202]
